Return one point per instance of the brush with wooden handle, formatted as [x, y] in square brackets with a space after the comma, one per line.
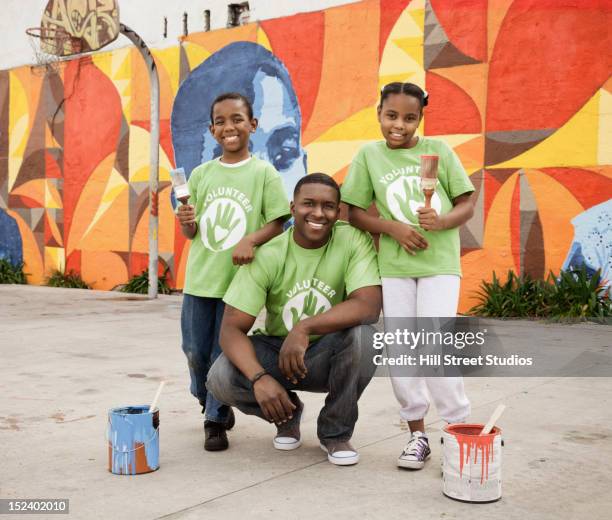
[429, 177]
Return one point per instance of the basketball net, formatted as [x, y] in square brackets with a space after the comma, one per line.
[49, 45]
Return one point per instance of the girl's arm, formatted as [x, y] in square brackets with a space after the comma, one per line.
[244, 251]
[410, 239]
[463, 210]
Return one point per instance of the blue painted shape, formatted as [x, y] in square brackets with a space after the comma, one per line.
[127, 426]
[251, 70]
[11, 245]
[592, 244]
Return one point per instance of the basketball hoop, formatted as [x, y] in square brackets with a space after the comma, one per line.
[50, 44]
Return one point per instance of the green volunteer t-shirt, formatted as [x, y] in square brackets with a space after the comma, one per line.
[295, 283]
[391, 177]
[230, 201]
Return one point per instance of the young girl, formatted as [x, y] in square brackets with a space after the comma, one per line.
[237, 202]
[419, 255]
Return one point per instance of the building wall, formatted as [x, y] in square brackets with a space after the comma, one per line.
[520, 89]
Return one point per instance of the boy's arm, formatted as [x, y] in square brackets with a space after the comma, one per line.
[362, 306]
[463, 210]
[237, 347]
[406, 235]
[244, 251]
[186, 215]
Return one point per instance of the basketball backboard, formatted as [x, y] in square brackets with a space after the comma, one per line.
[93, 23]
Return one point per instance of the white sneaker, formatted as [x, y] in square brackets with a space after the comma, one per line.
[416, 452]
[340, 453]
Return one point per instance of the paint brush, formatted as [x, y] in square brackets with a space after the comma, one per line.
[493, 419]
[179, 185]
[429, 177]
[157, 394]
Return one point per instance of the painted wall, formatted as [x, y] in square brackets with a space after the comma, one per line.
[520, 89]
[146, 17]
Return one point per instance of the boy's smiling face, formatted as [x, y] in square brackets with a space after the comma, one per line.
[231, 127]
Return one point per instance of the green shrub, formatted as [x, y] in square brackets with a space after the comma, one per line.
[10, 273]
[571, 295]
[575, 294]
[139, 284]
[69, 280]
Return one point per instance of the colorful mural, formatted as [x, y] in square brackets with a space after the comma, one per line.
[520, 89]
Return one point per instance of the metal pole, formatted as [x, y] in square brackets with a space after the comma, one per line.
[154, 156]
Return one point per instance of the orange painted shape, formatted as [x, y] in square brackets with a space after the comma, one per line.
[496, 13]
[215, 40]
[34, 190]
[464, 118]
[471, 154]
[180, 275]
[557, 206]
[350, 31]
[103, 270]
[515, 225]
[88, 202]
[471, 79]
[52, 231]
[110, 232]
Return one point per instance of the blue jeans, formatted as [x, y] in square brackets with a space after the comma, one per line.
[200, 323]
[339, 364]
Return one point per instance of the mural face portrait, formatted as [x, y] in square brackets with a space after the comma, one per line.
[253, 71]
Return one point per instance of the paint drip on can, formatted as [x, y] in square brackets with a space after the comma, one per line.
[133, 440]
[471, 463]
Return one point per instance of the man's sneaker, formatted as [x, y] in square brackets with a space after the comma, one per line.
[340, 453]
[288, 434]
[215, 436]
[416, 452]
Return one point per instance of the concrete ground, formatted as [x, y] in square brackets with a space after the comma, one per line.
[67, 356]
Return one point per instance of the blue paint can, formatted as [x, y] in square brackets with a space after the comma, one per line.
[133, 440]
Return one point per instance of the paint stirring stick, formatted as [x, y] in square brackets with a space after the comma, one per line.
[494, 418]
[156, 398]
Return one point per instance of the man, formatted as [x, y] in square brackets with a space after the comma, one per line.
[319, 283]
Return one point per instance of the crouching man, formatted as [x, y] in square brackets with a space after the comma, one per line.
[319, 283]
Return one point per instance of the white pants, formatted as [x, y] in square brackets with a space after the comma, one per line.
[431, 296]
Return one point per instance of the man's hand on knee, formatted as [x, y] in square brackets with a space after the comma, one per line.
[291, 355]
[273, 399]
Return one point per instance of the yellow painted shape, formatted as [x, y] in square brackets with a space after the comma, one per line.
[331, 156]
[50, 140]
[196, 54]
[262, 39]
[55, 260]
[402, 57]
[32, 258]
[53, 199]
[139, 157]
[574, 144]
[412, 46]
[104, 61]
[169, 59]
[362, 125]
[604, 145]
[18, 127]
[556, 208]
